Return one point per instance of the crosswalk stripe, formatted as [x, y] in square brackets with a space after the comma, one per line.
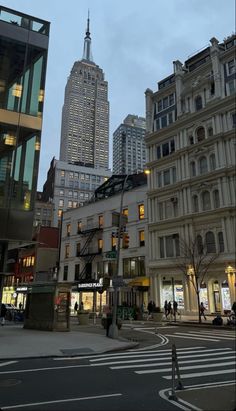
[119, 367]
[207, 335]
[190, 338]
[218, 335]
[188, 350]
[222, 364]
[7, 363]
[200, 374]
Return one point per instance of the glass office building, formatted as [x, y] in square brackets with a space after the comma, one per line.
[23, 56]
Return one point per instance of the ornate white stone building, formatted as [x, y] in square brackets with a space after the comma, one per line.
[190, 141]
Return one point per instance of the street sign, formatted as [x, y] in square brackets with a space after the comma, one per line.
[111, 255]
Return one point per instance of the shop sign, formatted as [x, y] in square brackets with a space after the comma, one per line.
[22, 289]
[91, 285]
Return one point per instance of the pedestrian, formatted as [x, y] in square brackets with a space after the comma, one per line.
[166, 308]
[169, 309]
[175, 309]
[3, 313]
[202, 311]
[75, 307]
[81, 306]
[108, 322]
[150, 308]
[20, 306]
[234, 307]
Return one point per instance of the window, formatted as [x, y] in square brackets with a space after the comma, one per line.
[210, 242]
[100, 221]
[216, 199]
[78, 248]
[100, 245]
[59, 213]
[70, 204]
[206, 201]
[159, 105]
[171, 99]
[71, 174]
[141, 238]
[231, 67]
[141, 211]
[162, 250]
[62, 173]
[163, 121]
[191, 140]
[192, 169]
[165, 149]
[210, 131]
[79, 227]
[198, 103]
[195, 204]
[165, 102]
[77, 271]
[199, 244]
[173, 170]
[212, 162]
[202, 165]
[200, 134]
[234, 120]
[67, 251]
[166, 177]
[158, 152]
[125, 212]
[61, 192]
[169, 246]
[68, 228]
[65, 273]
[221, 242]
[113, 243]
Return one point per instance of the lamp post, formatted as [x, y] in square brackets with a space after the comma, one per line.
[113, 329]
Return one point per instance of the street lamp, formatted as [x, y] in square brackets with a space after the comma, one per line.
[113, 329]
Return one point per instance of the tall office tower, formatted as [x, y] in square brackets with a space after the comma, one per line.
[129, 150]
[23, 56]
[85, 113]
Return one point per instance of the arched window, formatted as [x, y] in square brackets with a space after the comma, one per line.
[198, 103]
[216, 198]
[221, 242]
[203, 165]
[212, 162]
[210, 242]
[206, 201]
[195, 204]
[200, 134]
[199, 244]
[192, 169]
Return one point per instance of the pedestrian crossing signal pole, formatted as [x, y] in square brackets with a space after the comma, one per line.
[175, 367]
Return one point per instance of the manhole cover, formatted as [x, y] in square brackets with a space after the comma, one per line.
[9, 382]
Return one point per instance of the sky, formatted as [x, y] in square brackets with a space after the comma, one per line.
[135, 43]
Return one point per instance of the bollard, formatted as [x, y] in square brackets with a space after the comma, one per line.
[175, 366]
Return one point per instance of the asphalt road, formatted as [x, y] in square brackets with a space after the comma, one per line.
[138, 379]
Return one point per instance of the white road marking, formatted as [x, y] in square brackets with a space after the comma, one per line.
[44, 369]
[191, 367]
[207, 335]
[94, 397]
[166, 363]
[2, 364]
[191, 338]
[202, 374]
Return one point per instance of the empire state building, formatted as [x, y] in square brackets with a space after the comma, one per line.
[85, 113]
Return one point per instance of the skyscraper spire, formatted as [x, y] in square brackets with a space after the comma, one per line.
[87, 55]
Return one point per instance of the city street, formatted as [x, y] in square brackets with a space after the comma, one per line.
[136, 379]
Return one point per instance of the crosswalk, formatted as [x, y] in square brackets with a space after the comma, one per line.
[193, 362]
[204, 335]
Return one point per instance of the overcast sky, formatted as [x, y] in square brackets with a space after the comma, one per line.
[133, 41]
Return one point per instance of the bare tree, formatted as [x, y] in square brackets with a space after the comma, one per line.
[194, 262]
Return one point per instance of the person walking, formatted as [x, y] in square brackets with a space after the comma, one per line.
[81, 306]
[175, 309]
[75, 307]
[166, 308]
[202, 311]
[169, 309]
[3, 313]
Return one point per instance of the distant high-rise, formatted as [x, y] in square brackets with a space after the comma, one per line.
[85, 113]
[129, 152]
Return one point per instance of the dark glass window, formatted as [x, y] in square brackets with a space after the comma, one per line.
[221, 242]
[158, 152]
[165, 149]
[210, 242]
[161, 242]
[77, 271]
[198, 103]
[163, 121]
[65, 273]
[165, 102]
[172, 146]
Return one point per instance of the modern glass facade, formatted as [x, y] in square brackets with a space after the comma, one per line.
[23, 56]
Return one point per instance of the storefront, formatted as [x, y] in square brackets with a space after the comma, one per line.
[172, 290]
[92, 294]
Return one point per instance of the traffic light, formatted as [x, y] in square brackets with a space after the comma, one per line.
[125, 241]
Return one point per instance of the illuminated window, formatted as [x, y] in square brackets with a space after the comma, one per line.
[59, 213]
[79, 227]
[126, 211]
[141, 238]
[100, 221]
[113, 243]
[62, 173]
[141, 211]
[78, 249]
[100, 245]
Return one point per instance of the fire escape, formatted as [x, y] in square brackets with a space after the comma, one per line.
[87, 254]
